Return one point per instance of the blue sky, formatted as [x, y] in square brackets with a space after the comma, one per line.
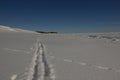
[61, 15]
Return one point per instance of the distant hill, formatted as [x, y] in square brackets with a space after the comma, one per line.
[43, 32]
[9, 29]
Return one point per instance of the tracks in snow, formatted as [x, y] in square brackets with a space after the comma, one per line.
[99, 67]
[39, 69]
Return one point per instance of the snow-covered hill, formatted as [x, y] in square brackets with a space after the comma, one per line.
[6, 28]
[9, 29]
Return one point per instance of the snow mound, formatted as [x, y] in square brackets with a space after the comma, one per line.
[9, 29]
[5, 28]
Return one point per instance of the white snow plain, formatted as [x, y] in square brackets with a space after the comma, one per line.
[77, 57]
[32, 56]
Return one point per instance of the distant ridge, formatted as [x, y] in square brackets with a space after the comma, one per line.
[44, 32]
[6, 28]
[9, 29]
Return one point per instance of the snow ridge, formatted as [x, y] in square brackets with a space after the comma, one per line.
[6, 28]
[9, 29]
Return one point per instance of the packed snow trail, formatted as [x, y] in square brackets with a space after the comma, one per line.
[39, 69]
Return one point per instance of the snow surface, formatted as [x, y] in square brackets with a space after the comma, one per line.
[15, 54]
[9, 29]
[77, 57]
[85, 56]
[5, 28]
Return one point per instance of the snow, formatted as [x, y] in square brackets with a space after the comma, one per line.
[31, 56]
[14, 57]
[13, 77]
[5, 28]
[77, 57]
[9, 29]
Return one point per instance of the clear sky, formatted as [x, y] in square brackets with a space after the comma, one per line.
[61, 15]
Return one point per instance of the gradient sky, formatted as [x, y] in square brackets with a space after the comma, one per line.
[61, 15]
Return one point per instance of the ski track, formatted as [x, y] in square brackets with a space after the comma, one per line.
[40, 69]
